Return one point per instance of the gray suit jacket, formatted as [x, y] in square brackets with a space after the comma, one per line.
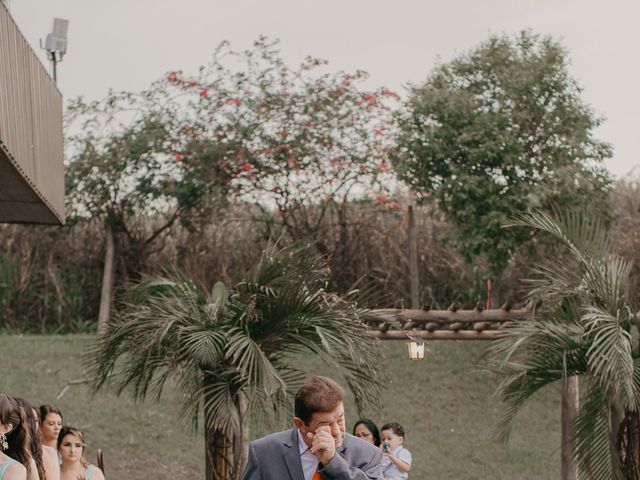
[277, 457]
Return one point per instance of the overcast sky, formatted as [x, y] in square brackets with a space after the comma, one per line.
[125, 45]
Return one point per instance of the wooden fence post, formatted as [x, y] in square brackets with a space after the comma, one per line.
[413, 259]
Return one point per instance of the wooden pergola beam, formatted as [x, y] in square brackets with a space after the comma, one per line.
[450, 316]
[451, 324]
[438, 334]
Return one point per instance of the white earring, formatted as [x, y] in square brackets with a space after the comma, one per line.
[3, 441]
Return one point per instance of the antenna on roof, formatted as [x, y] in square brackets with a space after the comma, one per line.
[56, 43]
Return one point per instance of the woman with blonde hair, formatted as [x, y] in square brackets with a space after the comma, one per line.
[12, 440]
[74, 466]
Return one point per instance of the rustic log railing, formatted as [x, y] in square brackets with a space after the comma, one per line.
[451, 324]
[477, 324]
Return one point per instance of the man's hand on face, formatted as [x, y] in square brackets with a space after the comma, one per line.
[323, 445]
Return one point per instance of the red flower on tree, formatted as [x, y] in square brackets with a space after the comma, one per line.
[174, 77]
[246, 167]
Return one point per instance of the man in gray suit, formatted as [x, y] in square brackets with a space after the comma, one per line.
[318, 448]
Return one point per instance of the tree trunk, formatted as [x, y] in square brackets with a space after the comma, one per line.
[241, 442]
[570, 396]
[218, 448]
[106, 293]
[616, 422]
[629, 446]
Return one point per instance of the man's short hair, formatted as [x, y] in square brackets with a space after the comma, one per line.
[318, 394]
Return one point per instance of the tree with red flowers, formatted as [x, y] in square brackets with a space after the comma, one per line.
[293, 142]
[303, 140]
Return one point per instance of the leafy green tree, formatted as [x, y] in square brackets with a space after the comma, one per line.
[585, 327]
[230, 352]
[495, 131]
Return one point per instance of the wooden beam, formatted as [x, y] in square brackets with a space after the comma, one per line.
[480, 326]
[438, 334]
[449, 316]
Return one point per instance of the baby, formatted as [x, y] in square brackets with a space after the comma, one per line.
[397, 459]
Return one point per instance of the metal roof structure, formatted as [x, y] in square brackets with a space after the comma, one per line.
[31, 140]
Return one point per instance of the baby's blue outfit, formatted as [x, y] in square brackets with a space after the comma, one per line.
[389, 469]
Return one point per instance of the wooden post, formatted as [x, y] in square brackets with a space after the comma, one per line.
[570, 396]
[106, 293]
[413, 259]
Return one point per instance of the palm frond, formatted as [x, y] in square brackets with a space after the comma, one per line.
[531, 356]
[610, 360]
[220, 345]
[581, 233]
[587, 320]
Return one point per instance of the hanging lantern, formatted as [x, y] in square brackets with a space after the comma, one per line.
[416, 349]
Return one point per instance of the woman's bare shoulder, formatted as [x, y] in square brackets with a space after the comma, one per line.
[97, 473]
[15, 471]
[50, 462]
[50, 452]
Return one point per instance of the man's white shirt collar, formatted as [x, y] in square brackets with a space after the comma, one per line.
[307, 458]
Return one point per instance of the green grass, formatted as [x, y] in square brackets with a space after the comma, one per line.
[443, 402]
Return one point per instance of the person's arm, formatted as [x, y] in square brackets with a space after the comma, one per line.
[50, 463]
[400, 464]
[15, 471]
[252, 470]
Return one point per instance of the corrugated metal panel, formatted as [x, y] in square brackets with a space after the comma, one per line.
[30, 119]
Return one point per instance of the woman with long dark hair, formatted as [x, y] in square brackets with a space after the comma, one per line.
[12, 440]
[34, 439]
[50, 424]
[50, 460]
[367, 431]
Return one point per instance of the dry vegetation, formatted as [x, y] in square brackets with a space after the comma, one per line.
[50, 276]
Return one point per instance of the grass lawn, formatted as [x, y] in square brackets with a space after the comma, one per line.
[443, 402]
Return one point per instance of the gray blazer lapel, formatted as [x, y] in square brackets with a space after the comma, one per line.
[291, 453]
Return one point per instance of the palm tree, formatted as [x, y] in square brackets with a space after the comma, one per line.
[583, 326]
[230, 352]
